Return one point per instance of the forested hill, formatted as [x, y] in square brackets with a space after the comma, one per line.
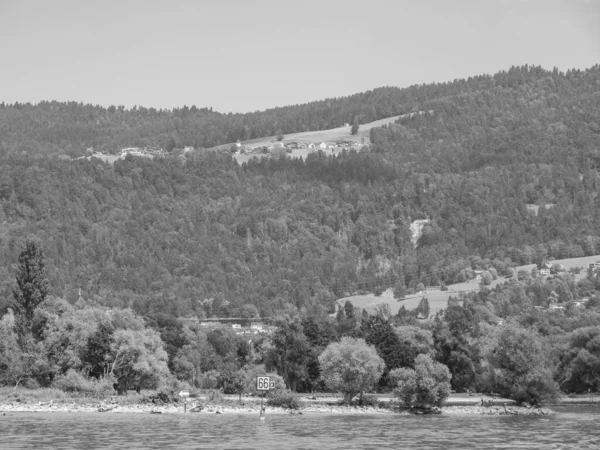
[52, 127]
[505, 169]
[58, 128]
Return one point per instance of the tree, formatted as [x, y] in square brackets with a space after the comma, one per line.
[138, 359]
[486, 278]
[413, 342]
[16, 365]
[233, 382]
[422, 309]
[520, 366]
[380, 334]
[428, 384]
[290, 353]
[355, 127]
[97, 352]
[399, 289]
[350, 366]
[32, 285]
[319, 335]
[579, 367]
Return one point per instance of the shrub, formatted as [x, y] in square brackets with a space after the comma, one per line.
[350, 366]
[214, 395]
[283, 399]
[259, 371]
[75, 382]
[169, 391]
[368, 400]
[428, 384]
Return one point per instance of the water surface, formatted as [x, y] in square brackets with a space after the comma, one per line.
[574, 428]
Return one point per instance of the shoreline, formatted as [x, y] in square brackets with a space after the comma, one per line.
[315, 409]
[455, 404]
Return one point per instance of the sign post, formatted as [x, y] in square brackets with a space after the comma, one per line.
[184, 395]
[263, 384]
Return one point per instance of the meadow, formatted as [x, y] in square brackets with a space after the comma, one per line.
[438, 300]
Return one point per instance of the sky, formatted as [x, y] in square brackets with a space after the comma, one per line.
[249, 55]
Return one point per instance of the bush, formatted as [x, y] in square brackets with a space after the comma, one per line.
[283, 399]
[259, 371]
[169, 391]
[75, 382]
[428, 384]
[368, 400]
[214, 395]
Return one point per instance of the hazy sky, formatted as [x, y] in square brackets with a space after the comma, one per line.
[254, 54]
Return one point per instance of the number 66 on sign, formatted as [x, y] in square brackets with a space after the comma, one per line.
[264, 383]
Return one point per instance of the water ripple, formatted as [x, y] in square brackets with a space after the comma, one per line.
[572, 429]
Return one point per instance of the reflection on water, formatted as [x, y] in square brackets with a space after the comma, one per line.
[573, 428]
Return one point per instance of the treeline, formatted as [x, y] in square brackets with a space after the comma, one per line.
[503, 341]
[207, 237]
[202, 236]
[52, 127]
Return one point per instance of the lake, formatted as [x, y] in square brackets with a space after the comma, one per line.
[574, 428]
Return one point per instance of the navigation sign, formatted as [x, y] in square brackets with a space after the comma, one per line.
[184, 394]
[264, 383]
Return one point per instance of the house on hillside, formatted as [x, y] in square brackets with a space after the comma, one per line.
[545, 272]
[322, 146]
[310, 146]
[556, 307]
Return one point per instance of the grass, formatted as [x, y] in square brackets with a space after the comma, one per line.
[439, 300]
[330, 135]
[568, 263]
[9, 394]
[44, 395]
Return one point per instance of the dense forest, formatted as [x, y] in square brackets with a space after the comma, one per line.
[507, 103]
[504, 168]
[204, 236]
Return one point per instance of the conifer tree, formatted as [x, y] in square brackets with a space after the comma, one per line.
[32, 285]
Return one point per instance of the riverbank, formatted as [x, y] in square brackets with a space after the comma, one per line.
[54, 400]
[253, 407]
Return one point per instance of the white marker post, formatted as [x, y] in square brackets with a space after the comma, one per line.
[263, 384]
[184, 395]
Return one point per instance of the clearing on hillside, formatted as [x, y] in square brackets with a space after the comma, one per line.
[315, 137]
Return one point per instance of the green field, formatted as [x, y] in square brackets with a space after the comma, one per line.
[316, 137]
[569, 263]
[439, 300]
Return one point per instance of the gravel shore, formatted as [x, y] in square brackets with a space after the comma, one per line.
[195, 407]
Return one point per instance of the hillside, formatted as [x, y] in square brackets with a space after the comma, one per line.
[203, 235]
[70, 128]
[330, 136]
